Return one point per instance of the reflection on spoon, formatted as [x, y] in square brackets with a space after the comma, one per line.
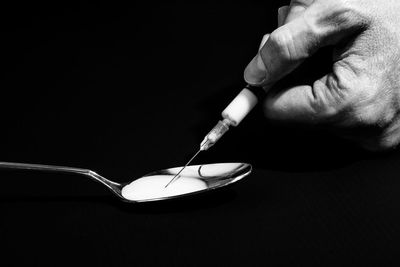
[153, 187]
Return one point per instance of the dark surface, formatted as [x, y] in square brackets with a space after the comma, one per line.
[125, 90]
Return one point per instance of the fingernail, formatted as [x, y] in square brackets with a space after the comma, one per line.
[255, 72]
[263, 41]
[282, 14]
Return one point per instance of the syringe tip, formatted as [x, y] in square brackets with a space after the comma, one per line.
[206, 144]
[215, 134]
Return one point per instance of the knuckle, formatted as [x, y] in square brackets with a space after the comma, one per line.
[341, 15]
[296, 42]
[329, 98]
[380, 143]
[280, 43]
[339, 7]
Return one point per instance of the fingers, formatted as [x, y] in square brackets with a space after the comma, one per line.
[263, 41]
[264, 67]
[284, 50]
[298, 6]
[285, 14]
[289, 13]
[298, 103]
[305, 103]
[304, 30]
[282, 14]
[294, 104]
[294, 12]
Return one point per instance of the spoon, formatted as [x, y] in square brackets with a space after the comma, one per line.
[151, 187]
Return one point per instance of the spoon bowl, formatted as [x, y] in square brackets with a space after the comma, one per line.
[194, 179]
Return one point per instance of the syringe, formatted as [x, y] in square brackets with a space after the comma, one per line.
[232, 115]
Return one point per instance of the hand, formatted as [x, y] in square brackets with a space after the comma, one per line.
[360, 98]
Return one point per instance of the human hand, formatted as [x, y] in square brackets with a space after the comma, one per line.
[360, 98]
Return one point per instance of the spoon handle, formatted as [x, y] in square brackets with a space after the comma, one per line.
[113, 186]
[41, 167]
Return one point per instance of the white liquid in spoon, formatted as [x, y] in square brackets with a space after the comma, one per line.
[153, 187]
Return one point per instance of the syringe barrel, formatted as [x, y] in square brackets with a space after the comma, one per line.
[240, 106]
[233, 114]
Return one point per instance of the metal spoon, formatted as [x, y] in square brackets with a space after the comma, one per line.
[212, 176]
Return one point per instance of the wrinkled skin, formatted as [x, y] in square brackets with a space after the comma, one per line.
[360, 99]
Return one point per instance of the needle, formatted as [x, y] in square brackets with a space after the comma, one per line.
[233, 115]
[177, 175]
[190, 160]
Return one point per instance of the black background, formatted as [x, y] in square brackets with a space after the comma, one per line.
[128, 89]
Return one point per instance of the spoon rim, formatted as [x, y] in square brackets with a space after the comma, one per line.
[243, 170]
